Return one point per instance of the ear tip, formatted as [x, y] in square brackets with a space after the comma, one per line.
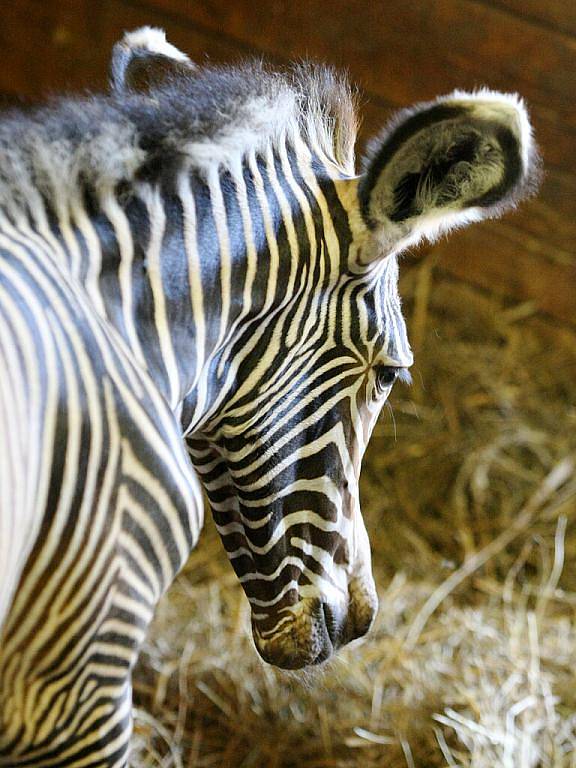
[486, 102]
[145, 37]
[152, 39]
[144, 58]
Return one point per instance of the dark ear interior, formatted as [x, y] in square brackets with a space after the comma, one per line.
[450, 165]
[135, 68]
[463, 158]
[382, 152]
[441, 159]
[434, 179]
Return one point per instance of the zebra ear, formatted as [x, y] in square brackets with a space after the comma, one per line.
[440, 165]
[144, 59]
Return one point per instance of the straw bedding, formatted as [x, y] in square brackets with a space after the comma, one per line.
[469, 494]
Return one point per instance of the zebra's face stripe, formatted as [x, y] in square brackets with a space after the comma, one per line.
[281, 456]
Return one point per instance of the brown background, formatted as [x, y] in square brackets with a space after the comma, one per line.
[398, 52]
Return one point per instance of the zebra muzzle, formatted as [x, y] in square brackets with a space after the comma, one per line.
[311, 631]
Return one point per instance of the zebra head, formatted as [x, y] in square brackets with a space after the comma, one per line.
[313, 337]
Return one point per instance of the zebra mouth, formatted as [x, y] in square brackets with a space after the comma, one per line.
[311, 635]
[308, 638]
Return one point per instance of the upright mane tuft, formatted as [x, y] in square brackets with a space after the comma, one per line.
[208, 117]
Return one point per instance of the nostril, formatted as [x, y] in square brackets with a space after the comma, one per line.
[330, 623]
[342, 628]
[362, 610]
[362, 625]
[362, 617]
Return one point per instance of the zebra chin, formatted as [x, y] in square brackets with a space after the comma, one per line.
[311, 631]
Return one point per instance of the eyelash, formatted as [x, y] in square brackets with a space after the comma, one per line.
[386, 375]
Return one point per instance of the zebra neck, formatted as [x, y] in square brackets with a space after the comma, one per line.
[184, 268]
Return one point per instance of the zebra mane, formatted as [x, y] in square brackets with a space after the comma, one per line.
[212, 116]
[223, 112]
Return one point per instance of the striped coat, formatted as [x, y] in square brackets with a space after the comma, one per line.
[197, 289]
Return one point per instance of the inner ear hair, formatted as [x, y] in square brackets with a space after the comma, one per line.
[441, 165]
[454, 165]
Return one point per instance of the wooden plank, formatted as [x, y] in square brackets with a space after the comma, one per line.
[485, 255]
[418, 49]
[559, 15]
[50, 46]
[43, 44]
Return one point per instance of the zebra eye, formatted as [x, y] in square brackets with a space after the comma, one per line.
[386, 375]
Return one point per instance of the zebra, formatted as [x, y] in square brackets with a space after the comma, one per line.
[199, 292]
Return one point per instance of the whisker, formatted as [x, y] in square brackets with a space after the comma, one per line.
[391, 410]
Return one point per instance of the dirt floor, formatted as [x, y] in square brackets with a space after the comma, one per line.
[469, 494]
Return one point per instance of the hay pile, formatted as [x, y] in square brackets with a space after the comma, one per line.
[469, 493]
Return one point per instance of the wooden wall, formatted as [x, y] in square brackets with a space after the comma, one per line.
[399, 52]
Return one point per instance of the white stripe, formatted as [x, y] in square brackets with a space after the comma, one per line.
[157, 222]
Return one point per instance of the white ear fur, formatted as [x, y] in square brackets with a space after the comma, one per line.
[154, 40]
[144, 58]
[444, 164]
